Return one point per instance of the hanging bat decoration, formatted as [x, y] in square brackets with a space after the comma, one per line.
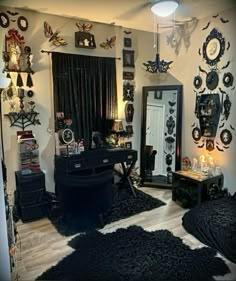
[202, 91]
[215, 16]
[223, 20]
[228, 46]
[109, 43]
[12, 13]
[227, 64]
[202, 70]
[53, 36]
[127, 32]
[84, 27]
[206, 26]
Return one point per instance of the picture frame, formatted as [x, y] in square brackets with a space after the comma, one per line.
[128, 58]
[127, 42]
[128, 75]
[128, 144]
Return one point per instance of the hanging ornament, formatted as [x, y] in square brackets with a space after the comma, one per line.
[157, 65]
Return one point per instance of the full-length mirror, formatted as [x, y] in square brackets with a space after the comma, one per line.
[160, 134]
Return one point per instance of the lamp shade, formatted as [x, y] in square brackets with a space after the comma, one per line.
[164, 8]
[117, 126]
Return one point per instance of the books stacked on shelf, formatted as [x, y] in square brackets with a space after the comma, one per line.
[28, 152]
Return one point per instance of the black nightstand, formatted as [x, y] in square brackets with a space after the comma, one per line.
[191, 188]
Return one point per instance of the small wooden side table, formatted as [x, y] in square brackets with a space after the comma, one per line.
[197, 180]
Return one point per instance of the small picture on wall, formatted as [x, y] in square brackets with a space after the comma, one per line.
[127, 75]
[128, 145]
[127, 42]
[129, 131]
[128, 58]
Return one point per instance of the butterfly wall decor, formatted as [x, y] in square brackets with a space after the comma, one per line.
[53, 36]
[109, 43]
[84, 27]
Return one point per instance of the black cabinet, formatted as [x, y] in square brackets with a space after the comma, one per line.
[191, 188]
[30, 195]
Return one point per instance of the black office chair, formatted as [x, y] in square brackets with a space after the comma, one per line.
[150, 161]
[88, 195]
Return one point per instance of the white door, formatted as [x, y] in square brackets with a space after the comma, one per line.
[154, 136]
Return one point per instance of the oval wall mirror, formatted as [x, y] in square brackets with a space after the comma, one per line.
[160, 151]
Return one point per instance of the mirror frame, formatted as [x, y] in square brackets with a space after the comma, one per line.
[146, 89]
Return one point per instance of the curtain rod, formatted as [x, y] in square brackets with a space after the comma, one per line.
[50, 52]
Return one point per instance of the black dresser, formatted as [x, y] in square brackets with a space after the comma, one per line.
[30, 195]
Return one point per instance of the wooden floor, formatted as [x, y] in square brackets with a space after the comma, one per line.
[39, 245]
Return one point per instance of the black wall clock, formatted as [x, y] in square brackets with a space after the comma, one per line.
[214, 47]
[212, 80]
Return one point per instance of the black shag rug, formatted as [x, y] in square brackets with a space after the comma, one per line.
[125, 205]
[214, 224]
[134, 254]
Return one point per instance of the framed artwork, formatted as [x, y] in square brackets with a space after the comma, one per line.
[128, 144]
[214, 47]
[128, 58]
[129, 130]
[127, 42]
[127, 75]
[128, 92]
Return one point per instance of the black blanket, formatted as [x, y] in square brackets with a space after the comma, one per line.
[214, 224]
[134, 254]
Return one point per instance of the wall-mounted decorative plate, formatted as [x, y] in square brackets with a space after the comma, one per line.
[212, 80]
[4, 20]
[228, 79]
[22, 23]
[226, 137]
[197, 82]
[196, 134]
[214, 47]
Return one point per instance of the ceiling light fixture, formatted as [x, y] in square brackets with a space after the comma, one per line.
[164, 8]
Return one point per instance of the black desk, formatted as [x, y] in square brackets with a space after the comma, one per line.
[95, 160]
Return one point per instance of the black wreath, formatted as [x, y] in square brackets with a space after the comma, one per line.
[228, 79]
[4, 20]
[212, 80]
[197, 82]
[196, 134]
[214, 35]
[226, 137]
[20, 25]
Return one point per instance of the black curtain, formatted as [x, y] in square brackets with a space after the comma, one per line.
[85, 90]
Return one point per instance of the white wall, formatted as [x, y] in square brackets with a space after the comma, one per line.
[183, 70]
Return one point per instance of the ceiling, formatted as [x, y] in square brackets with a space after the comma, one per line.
[135, 14]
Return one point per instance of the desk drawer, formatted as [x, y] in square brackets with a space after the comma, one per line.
[75, 165]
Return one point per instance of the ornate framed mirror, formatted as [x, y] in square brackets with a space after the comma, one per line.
[161, 119]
